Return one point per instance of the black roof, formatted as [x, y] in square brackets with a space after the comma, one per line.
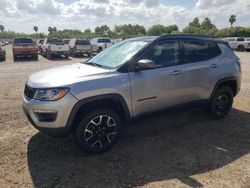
[195, 37]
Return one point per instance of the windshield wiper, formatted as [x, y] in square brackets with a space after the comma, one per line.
[93, 64]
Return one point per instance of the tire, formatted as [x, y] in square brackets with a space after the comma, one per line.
[89, 54]
[96, 123]
[66, 56]
[36, 57]
[221, 102]
[15, 57]
[48, 55]
[241, 48]
[100, 49]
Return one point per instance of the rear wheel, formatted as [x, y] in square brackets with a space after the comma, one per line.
[241, 48]
[221, 103]
[98, 130]
[100, 49]
[36, 57]
[15, 57]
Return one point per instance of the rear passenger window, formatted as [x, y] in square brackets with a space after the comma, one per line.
[196, 51]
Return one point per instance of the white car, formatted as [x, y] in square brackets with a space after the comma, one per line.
[55, 47]
[238, 43]
[100, 44]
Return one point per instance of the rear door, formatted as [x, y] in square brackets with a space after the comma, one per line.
[161, 87]
[202, 69]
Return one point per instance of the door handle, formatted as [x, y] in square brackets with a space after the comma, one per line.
[214, 66]
[177, 72]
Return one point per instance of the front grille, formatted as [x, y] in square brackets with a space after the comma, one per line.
[29, 92]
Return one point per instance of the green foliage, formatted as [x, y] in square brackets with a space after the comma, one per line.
[206, 27]
[128, 31]
[234, 32]
[232, 19]
[35, 28]
[161, 29]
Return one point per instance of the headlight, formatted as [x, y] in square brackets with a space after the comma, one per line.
[50, 94]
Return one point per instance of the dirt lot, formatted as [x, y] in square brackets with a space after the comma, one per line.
[181, 148]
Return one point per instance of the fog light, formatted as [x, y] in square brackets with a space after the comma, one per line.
[45, 116]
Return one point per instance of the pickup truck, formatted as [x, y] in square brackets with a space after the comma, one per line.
[100, 44]
[24, 47]
[80, 47]
[238, 43]
[54, 46]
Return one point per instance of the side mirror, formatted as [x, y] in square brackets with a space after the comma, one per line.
[145, 64]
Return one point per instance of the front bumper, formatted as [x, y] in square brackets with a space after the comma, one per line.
[54, 127]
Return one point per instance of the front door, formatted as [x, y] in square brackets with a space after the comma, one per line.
[161, 87]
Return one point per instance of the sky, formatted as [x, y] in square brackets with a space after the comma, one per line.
[22, 15]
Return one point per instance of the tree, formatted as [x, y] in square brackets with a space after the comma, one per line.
[206, 24]
[232, 19]
[2, 28]
[87, 33]
[161, 29]
[102, 31]
[50, 29]
[156, 30]
[35, 28]
[54, 29]
[195, 23]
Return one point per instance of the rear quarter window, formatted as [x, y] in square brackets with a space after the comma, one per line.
[196, 51]
[82, 42]
[22, 40]
[104, 41]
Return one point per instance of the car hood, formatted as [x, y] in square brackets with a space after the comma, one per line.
[66, 75]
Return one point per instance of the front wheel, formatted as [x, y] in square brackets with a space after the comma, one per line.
[98, 130]
[221, 102]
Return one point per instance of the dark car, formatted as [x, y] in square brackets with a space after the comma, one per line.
[2, 54]
[24, 47]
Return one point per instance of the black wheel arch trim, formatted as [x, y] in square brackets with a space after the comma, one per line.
[84, 101]
[221, 81]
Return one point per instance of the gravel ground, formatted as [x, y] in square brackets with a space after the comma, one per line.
[178, 148]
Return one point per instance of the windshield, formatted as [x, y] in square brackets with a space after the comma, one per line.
[55, 41]
[118, 54]
[23, 40]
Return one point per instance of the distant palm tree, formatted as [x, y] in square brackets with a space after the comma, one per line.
[232, 19]
[35, 28]
[50, 29]
[1, 28]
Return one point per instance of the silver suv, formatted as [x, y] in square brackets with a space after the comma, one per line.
[93, 100]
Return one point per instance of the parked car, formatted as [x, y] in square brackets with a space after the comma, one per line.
[2, 54]
[39, 44]
[6, 43]
[55, 47]
[79, 46]
[66, 41]
[24, 47]
[100, 44]
[238, 43]
[93, 100]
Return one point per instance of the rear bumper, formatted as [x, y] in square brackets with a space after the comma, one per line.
[59, 52]
[24, 53]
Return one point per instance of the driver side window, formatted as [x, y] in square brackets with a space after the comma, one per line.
[164, 54]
